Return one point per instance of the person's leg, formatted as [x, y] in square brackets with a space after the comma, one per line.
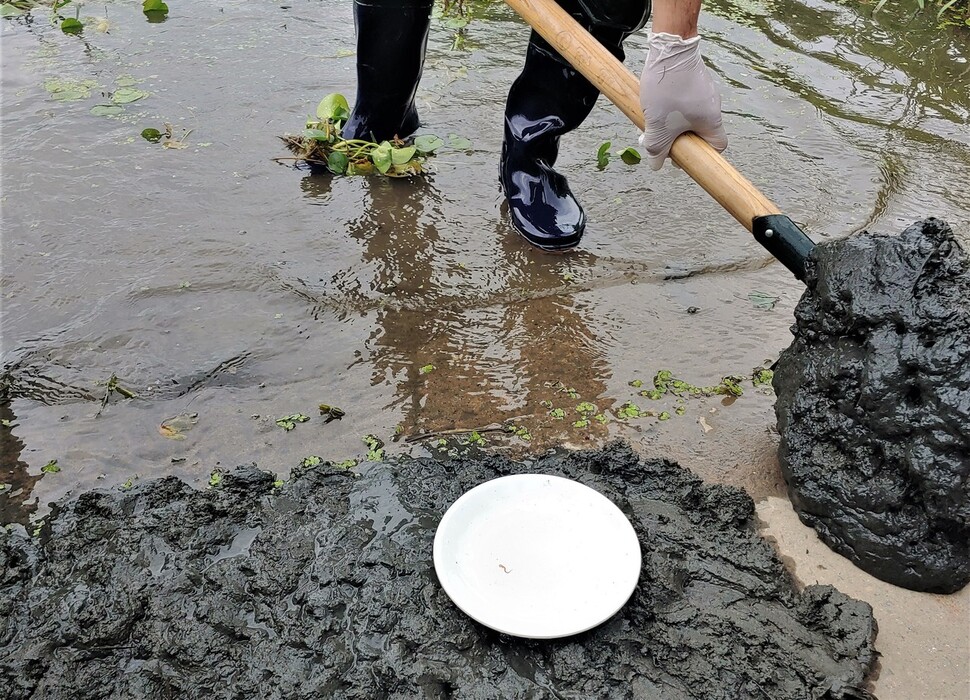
[391, 40]
[547, 100]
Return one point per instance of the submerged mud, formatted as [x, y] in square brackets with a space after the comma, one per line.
[874, 405]
[324, 587]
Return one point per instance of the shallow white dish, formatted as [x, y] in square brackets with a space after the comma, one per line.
[536, 556]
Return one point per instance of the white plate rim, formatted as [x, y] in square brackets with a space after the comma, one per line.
[455, 594]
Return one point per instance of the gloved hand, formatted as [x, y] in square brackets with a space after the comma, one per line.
[677, 94]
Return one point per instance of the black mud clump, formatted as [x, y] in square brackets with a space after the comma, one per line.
[324, 588]
[874, 405]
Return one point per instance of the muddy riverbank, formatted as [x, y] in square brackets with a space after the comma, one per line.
[324, 586]
[874, 403]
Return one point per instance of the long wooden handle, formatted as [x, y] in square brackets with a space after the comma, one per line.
[693, 154]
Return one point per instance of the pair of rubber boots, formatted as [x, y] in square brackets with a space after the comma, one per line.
[547, 100]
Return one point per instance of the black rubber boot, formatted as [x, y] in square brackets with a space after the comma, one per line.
[547, 100]
[391, 39]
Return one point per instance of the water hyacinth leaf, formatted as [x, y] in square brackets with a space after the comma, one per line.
[107, 110]
[337, 163]
[72, 26]
[67, 90]
[127, 95]
[381, 157]
[630, 156]
[459, 143]
[603, 154]
[401, 156]
[318, 134]
[151, 135]
[334, 107]
[763, 300]
[155, 11]
[428, 143]
[51, 467]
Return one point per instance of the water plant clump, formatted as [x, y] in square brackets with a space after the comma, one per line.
[321, 144]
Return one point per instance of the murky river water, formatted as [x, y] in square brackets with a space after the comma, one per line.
[212, 280]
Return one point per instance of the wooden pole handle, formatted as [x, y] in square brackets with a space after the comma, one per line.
[693, 154]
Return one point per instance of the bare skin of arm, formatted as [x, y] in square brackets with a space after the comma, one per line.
[677, 17]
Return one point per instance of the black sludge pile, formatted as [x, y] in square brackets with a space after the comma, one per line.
[324, 588]
[874, 405]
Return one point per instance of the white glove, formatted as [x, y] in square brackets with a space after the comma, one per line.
[677, 94]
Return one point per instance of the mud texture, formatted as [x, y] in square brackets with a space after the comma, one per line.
[325, 588]
[874, 405]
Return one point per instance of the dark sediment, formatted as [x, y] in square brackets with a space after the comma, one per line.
[325, 588]
[874, 405]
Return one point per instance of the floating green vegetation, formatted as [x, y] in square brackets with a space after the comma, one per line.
[427, 369]
[763, 300]
[311, 461]
[289, 422]
[174, 427]
[762, 377]
[664, 382]
[631, 410]
[129, 482]
[155, 10]
[586, 408]
[279, 483]
[519, 431]
[331, 412]
[168, 139]
[474, 438]
[628, 155]
[215, 478]
[51, 467]
[664, 415]
[581, 423]
[322, 144]
[346, 464]
[6, 423]
[557, 413]
[68, 90]
[375, 448]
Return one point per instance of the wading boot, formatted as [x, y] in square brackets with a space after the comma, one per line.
[548, 99]
[391, 39]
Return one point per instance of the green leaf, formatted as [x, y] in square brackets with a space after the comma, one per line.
[107, 110]
[318, 134]
[428, 143]
[603, 154]
[630, 156]
[401, 156]
[763, 300]
[152, 135]
[155, 10]
[337, 163]
[215, 478]
[381, 157]
[334, 107]
[126, 95]
[459, 143]
[51, 467]
[310, 461]
[72, 26]
[8, 10]
[427, 369]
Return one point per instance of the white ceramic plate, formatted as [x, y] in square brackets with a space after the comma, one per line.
[536, 556]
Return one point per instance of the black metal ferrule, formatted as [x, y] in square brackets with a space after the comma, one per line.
[784, 240]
